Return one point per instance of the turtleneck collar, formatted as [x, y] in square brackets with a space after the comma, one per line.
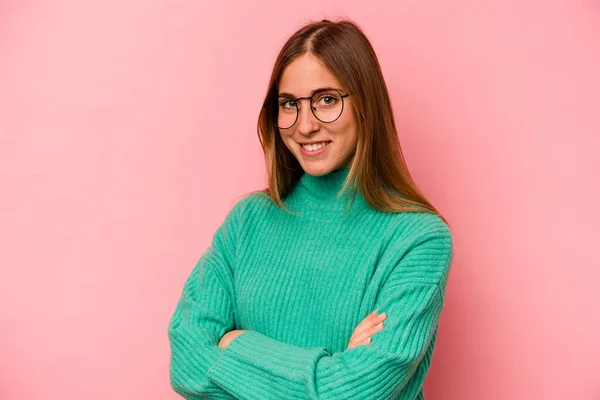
[325, 186]
[314, 197]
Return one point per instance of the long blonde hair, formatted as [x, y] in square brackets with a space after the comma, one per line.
[378, 167]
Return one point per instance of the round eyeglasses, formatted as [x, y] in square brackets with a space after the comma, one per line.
[326, 105]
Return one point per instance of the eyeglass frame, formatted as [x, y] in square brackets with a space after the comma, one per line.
[312, 109]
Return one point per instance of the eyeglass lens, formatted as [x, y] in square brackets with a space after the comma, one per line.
[326, 105]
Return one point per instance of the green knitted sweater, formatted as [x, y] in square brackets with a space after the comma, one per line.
[300, 284]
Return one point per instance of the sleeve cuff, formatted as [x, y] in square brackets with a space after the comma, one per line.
[256, 365]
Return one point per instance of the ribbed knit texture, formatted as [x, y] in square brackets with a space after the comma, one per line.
[300, 284]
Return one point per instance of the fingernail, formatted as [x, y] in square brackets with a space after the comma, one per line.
[383, 315]
[379, 326]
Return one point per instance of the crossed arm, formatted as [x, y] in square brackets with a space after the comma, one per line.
[256, 366]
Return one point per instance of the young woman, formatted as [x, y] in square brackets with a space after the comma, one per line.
[330, 282]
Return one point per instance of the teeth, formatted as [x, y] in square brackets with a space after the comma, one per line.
[314, 147]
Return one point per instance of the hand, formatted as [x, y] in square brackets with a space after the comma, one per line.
[228, 338]
[372, 324]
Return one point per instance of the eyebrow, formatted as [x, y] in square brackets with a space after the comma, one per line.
[291, 96]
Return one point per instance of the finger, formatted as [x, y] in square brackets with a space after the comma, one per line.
[366, 322]
[367, 333]
[370, 321]
[365, 342]
[354, 343]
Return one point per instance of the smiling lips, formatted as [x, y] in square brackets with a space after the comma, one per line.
[313, 149]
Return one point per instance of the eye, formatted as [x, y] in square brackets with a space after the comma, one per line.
[328, 100]
[287, 103]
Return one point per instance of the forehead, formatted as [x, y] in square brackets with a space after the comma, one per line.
[305, 74]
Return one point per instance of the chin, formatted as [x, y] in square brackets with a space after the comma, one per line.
[317, 169]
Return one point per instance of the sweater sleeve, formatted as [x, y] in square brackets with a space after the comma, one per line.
[204, 313]
[256, 366]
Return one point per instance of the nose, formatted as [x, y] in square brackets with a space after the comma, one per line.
[307, 122]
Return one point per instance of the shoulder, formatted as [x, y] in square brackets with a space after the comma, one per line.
[248, 206]
[419, 250]
[420, 226]
[252, 202]
[424, 244]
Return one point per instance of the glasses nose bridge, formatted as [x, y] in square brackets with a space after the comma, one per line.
[298, 108]
[309, 98]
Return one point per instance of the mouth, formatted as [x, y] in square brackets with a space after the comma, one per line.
[314, 149]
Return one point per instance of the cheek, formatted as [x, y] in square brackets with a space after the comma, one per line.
[348, 119]
[346, 129]
[287, 140]
[285, 137]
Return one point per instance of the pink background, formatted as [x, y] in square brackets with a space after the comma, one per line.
[128, 131]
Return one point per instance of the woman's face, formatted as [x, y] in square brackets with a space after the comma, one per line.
[299, 79]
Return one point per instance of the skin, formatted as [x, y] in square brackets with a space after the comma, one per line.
[300, 78]
[369, 326]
